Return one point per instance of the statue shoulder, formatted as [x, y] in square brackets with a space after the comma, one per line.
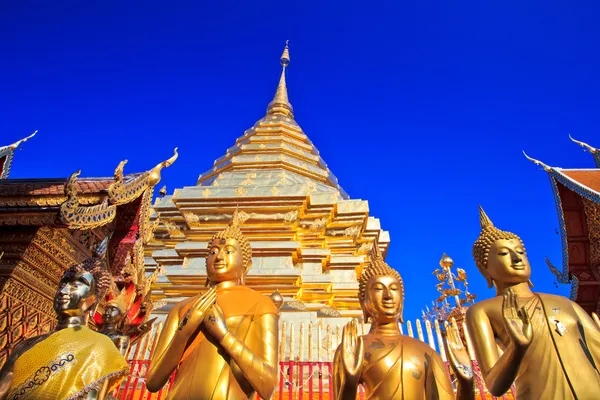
[483, 308]
[28, 344]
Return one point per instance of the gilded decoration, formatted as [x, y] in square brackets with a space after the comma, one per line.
[7, 153]
[328, 312]
[294, 305]
[23, 314]
[592, 212]
[120, 192]
[79, 217]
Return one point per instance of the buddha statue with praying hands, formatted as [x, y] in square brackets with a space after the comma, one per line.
[548, 345]
[223, 342]
[73, 362]
[389, 365]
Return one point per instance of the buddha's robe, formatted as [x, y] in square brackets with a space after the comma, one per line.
[562, 360]
[66, 365]
[208, 372]
[398, 368]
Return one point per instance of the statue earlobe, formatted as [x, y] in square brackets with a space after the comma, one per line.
[490, 282]
[401, 320]
[530, 283]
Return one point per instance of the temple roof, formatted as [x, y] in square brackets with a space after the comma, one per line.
[585, 178]
[7, 154]
[577, 197]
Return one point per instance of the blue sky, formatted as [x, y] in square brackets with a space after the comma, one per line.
[421, 108]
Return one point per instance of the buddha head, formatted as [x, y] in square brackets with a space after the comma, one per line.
[115, 310]
[499, 255]
[81, 287]
[229, 255]
[381, 290]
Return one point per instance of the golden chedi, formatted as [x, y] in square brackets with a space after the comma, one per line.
[389, 365]
[549, 346]
[222, 343]
[73, 362]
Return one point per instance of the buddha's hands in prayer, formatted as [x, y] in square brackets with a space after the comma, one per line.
[194, 316]
[457, 354]
[516, 321]
[352, 352]
[215, 322]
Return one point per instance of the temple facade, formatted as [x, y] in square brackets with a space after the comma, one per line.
[309, 238]
[577, 196]
[47, 225]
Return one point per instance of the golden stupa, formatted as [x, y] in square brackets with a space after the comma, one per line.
[309, 238]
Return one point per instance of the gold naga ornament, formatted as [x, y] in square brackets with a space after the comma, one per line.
[224, 342]
[73, 362]
[388, 364]
[549, 346]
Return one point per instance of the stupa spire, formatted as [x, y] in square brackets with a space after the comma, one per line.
[280, 104]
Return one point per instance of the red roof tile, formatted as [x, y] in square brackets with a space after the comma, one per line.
[589, 178]
[40, 187]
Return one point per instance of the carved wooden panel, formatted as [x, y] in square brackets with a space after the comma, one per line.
[23, 314]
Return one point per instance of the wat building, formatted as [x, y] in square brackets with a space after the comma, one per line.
[309, 238]
[577, 195]
[49, 224]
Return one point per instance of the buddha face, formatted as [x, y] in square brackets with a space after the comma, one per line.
[225, 261]
[76, 293]
[383, 298]
[507, 262]
[127, 278]
[112, 314]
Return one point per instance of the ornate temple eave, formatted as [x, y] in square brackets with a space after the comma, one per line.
[592, 150]
[7, 155]
[577, 197]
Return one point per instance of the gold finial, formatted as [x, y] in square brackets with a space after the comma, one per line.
[484, 220]
[70, 189]
[119, 171]
[538, 162]
[280, 105]
[154, 175]
[285, 56]
[15, 145]
[446, 262]
[585, 145]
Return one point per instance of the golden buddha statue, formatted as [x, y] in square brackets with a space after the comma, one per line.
[73, 362]
[549, 346]
[112, 320]
[222, 343]
[389, 365]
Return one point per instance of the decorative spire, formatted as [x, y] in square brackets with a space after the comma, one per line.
[154, 173]
[15, 145]
[547, 168]
[280, 105]
[595, 152]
